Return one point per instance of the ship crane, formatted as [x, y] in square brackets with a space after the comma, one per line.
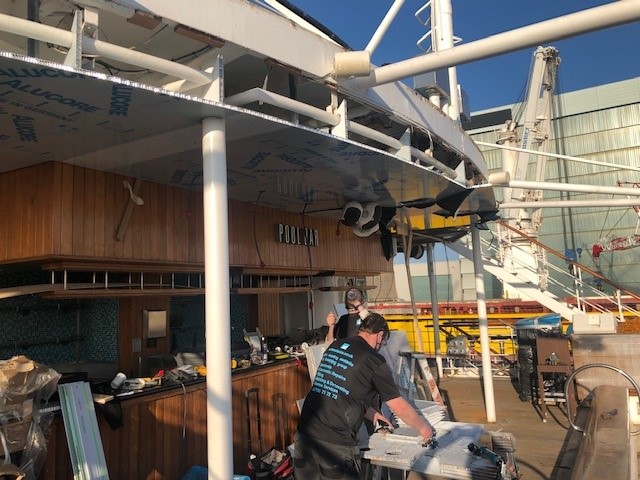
[521, 163]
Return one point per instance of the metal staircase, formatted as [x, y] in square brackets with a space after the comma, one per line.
[560, 285]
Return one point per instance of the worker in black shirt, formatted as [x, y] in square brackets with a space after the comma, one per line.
[350, 374]
[347, 325]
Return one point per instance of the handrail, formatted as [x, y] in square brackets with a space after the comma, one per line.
[585, 367]
[571, 277]
[569, 261]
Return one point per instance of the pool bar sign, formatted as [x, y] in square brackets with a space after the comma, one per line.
[297, 235]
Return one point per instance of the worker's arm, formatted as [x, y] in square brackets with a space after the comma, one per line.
[375, 416]
[332, 319]
[407, 413]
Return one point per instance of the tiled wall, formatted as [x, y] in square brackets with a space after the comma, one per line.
[56, 331]
[63, 331]
[187, 321]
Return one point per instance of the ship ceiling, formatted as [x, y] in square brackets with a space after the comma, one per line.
[53, 113]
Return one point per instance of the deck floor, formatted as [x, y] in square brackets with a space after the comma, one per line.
[544, 450]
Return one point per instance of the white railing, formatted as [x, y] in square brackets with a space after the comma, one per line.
[570, 280]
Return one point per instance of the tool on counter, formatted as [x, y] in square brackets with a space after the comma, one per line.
[484, 452]
[383, 428]
[432, 442]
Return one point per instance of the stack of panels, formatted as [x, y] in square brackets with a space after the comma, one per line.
[394, 451]
[403, 450]
[83, 435]
[452, 458]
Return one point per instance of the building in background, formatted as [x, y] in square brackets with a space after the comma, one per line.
[600, 124]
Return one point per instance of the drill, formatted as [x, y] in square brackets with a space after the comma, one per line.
[484, 452]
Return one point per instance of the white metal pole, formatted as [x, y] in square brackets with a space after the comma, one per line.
[604, 16]
[384, 26]
[217, 303]
[620, 202]
[435, 309]
[557, 155]
[407, 242]
[570, 187]
[483, 324]
[445, 35]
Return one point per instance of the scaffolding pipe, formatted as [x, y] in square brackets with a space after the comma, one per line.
[64, 38]
[435, 310]
[568, 187]
[597, 18]
[407, 241]
[558, 155]
[622, 202]
[483, 325]
[384, 26]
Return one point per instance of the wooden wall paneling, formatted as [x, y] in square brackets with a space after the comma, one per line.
[8, 195]
[165, 243]
[65, 234]
[162, 225]
[124, 198]
[42, 225]
[150, 444]
[292, 378]
[158, 439]
[130, 327]
[27, 225]
[269, 319]
[196, 231]
[183, 232]
[242, 249]
[21, 199]
[135, 233]
[118, 206]
[15, 223]
[334, 252]
[89, 205]
[110, 217]
[151, 223]
[200, 228]
[173, 202]
[99, 214]
[78, 212]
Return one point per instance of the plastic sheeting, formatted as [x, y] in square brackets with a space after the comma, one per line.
[24, 385]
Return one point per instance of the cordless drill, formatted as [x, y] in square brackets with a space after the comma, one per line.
[484, 452]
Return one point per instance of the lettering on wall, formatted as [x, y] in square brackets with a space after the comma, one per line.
[296, 235]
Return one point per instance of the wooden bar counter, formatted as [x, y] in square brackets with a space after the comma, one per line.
[164, 430]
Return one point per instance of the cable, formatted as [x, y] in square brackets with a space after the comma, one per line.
[308, 243]
[255, 236]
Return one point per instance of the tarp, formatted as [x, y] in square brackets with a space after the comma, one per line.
[549, 320]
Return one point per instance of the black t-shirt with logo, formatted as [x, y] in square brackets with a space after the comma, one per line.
[347, 326]
[349, 377]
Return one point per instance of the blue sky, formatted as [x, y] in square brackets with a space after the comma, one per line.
[591, 59]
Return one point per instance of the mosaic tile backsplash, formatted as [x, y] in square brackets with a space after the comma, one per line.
[64, 331]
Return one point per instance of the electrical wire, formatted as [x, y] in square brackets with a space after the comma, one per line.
[255, 235]
[308, 243]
